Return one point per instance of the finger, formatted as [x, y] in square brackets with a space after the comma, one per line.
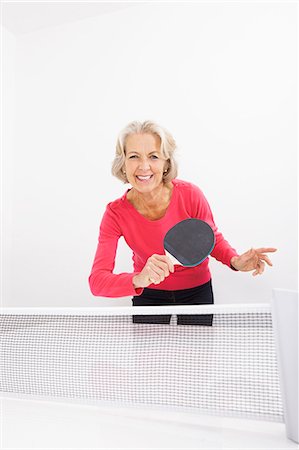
[267, 259]
[266, 250]
[256, 272]
[155, 273]
[253, 256]
[160, 257]
[261, 267]
[154, 278]
[257, 267]
[162, 266]
[159, 268]
[164, 263]
[165, 259]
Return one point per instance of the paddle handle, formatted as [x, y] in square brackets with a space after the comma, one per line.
[172, 258]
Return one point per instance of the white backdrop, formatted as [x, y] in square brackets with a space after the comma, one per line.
[222, 77]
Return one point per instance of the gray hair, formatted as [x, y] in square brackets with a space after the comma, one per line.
[168, 146]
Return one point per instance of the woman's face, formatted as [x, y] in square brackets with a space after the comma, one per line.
[144, 163]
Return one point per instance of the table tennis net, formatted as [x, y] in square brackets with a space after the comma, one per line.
[101, 355]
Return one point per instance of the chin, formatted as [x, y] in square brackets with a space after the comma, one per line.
[149, 186]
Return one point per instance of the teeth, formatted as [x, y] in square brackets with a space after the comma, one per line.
[143, 178]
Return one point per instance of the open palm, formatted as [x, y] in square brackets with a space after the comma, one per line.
[253, 259]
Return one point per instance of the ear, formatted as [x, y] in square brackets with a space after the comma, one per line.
[166, 168]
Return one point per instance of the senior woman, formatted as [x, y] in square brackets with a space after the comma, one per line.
[156, 201]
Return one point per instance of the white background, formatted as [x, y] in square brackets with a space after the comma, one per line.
[220, 76]
[29, 424]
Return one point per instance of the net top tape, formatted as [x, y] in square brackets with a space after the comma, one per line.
[239, 308]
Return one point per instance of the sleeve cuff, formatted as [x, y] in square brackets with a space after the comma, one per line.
[232, 267]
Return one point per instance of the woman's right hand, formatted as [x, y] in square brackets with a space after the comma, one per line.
[156, 269]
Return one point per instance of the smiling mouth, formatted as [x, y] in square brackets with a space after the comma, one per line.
[143, 178]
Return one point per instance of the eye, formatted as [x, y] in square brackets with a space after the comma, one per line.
[154, 157]
[132, 156]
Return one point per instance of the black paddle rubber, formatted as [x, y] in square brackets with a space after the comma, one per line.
[190, 241]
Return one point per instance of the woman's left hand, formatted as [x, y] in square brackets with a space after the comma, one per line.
[253, 259]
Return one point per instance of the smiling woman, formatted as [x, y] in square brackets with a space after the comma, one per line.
[157, 201]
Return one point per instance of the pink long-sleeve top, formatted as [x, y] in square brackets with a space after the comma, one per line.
[145, 237]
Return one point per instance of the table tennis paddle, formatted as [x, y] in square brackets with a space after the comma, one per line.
[189, 242]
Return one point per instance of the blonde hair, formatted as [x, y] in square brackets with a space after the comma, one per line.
[168, 146]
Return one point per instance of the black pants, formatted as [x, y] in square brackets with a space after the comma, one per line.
[200, 295]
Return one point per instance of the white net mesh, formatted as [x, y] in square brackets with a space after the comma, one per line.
[228, 368]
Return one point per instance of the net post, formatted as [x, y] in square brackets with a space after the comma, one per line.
[285, 326]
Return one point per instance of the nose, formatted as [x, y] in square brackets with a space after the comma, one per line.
[144, 164]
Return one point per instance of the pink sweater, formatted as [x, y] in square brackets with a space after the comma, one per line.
[145, 237]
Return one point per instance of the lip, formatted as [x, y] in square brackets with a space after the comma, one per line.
[144, 180]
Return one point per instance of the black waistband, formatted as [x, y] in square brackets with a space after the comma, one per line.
[202, 294]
